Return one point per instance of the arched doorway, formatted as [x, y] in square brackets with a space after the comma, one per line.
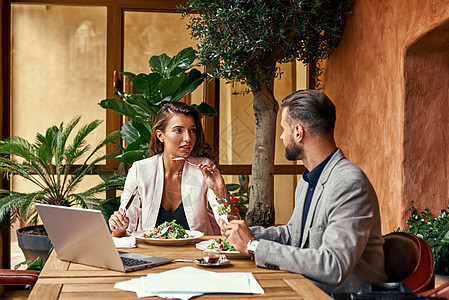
[426, 115]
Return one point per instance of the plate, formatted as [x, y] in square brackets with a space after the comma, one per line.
[203, 246]
[218, 263]
[195, 235]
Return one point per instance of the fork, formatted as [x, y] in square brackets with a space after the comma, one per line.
[223, 215]
[174, 159]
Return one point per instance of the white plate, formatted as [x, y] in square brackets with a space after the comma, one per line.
[194, 235]
[203, 246]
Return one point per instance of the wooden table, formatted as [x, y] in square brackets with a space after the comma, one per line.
[64, 280]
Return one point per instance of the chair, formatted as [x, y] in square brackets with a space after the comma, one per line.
[409, 259]
[18, 277]
[13, 283]
[441, 291]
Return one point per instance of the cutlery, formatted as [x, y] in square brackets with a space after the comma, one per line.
[175, 159]
[130, 201]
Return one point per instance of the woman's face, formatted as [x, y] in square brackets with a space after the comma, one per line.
[179, 137]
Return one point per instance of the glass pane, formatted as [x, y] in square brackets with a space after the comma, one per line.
[284, 195]
[237, 116]
[152, 33]
[58, 67]
[236, 124]
[58, 72]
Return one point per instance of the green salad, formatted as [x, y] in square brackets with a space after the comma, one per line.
[221, 244]
[222, 209]
[167, 230]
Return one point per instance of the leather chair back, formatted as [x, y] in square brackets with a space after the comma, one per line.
[409, 259]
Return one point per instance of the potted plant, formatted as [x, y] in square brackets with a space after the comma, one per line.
[51, 165]
[435, 231]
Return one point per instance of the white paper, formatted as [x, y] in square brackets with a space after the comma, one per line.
[188, 282]
[124, 242]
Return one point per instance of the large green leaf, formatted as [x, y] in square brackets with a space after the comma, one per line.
[206, 110]
[119, 106]
[129, 75]
[143, 130]
[132, 130]
[232, 187]
[193, 79]
[125, 109]
[169, 86]
[181, 61]
[141, 83]
[105, 174]
[136, 145]
[129, 132]
[143, 107]
[131, 156]
[159, 64]
[153, 83]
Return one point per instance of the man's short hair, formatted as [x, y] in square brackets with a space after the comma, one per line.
[312, 109]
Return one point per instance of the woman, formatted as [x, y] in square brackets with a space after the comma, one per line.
[171, 189]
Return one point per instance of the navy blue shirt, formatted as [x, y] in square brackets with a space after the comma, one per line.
[312, 179]
[178, 215]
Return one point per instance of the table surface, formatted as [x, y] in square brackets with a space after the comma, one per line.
[65, 280]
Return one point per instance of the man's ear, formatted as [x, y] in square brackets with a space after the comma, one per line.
[298, 132]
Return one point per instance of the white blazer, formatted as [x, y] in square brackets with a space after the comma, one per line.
[148, 175]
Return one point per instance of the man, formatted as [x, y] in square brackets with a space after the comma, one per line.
[334, 235]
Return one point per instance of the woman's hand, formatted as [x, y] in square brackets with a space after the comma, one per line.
[118, 222]
[214, 180]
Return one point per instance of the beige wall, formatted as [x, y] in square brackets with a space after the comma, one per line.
[365, 79]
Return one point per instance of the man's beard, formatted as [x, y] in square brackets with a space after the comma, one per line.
[293, 152]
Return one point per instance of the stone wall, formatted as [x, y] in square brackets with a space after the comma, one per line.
[389, 81]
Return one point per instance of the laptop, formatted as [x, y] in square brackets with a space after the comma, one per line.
[82, 236]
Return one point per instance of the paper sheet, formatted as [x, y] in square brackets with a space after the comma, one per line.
[188, 282]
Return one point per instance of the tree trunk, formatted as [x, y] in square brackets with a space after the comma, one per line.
[261, 204]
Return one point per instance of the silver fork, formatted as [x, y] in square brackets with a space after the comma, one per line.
[184, 158]
[223, 216]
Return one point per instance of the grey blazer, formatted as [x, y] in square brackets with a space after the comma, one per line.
[342, 242]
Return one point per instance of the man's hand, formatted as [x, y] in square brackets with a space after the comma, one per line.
[238, 234]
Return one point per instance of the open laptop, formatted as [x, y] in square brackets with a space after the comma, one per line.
[82, 236]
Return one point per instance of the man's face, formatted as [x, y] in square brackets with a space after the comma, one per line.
[292, 150]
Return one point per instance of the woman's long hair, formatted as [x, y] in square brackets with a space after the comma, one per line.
[168, 110]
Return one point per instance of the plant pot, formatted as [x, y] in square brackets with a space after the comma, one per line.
[33, 242]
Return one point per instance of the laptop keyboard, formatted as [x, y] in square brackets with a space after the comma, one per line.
[131, 262]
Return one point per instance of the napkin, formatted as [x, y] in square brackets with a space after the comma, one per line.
[188, 282]
[124, 242]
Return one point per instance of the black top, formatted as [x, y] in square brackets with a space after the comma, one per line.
[311, 177]
[178, 214]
